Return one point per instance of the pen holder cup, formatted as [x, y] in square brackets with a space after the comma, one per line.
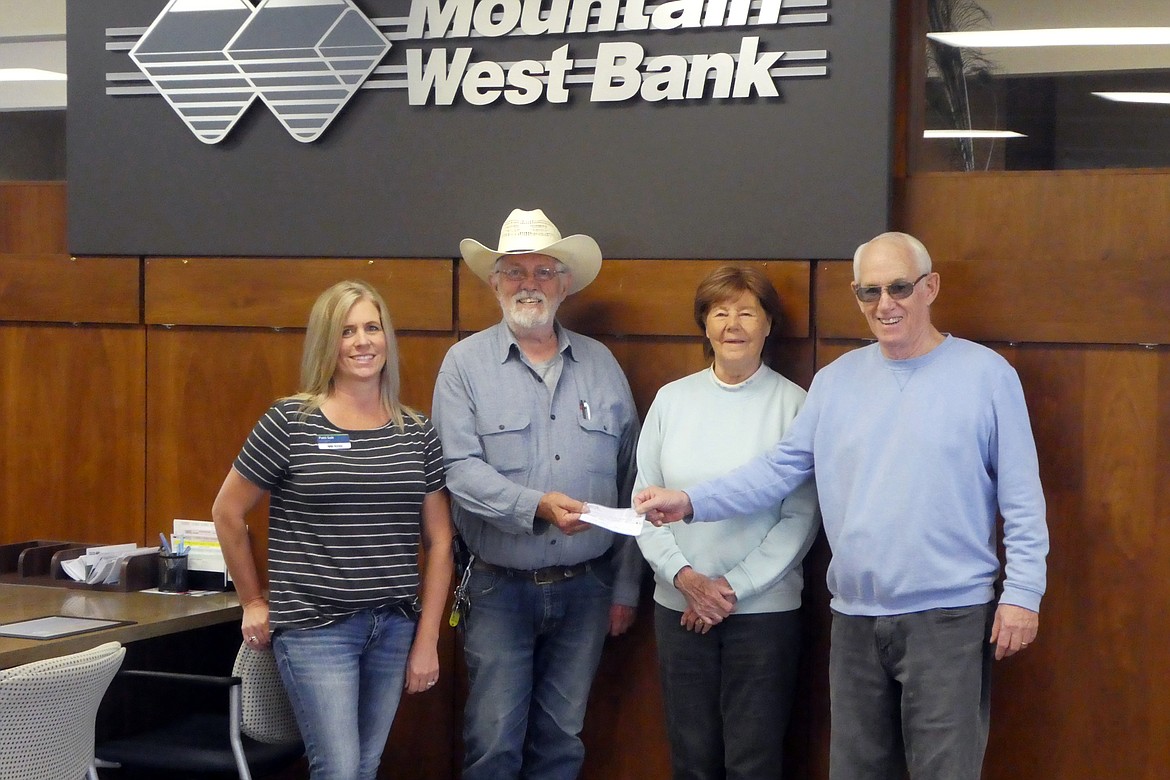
[172, 572]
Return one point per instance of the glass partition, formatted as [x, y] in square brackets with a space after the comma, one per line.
[1056, 85]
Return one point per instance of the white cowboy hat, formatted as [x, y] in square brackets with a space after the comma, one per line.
[531, 232]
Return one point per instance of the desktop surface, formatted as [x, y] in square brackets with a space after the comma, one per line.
[151, 615]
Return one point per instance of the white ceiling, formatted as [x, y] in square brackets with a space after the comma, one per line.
[1042, 14]
[32, 35]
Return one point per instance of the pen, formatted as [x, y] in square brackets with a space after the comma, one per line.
[585, 409]
[165, 544]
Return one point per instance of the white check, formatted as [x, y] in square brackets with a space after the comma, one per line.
[621, 521]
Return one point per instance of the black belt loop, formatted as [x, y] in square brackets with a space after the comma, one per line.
[548, 575]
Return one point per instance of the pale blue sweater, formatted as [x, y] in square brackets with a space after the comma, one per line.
[698, 428]
[913, 458]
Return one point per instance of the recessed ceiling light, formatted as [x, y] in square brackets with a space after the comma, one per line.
[1135, 97]
[1068, 36]
[30, 74]
[972, 134]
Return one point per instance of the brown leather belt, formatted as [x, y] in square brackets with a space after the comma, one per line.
[549, 575]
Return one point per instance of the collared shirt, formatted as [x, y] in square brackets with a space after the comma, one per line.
[508, 439]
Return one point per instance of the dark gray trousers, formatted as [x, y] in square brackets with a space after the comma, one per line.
[910, 693]
[728, 693]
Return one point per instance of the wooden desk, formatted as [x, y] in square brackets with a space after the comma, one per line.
[154, 614]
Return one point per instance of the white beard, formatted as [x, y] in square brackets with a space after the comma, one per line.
[526, 317]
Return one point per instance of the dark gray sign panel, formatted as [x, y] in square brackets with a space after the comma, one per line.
[684, 128]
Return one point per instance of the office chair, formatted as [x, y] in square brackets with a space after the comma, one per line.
[257, 733]
[47, 714]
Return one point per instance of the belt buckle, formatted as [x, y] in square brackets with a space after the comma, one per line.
[547, 575]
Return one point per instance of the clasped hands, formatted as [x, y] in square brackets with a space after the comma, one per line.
[709, 599]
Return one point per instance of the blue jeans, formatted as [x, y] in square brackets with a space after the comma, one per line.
[344, 681]
[728, 693]
[531, 653]
[910, 693]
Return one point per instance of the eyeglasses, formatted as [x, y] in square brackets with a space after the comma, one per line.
[541, 274]
[898, 291]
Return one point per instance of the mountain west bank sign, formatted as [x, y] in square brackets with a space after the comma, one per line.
[706, 110]
[305, 58]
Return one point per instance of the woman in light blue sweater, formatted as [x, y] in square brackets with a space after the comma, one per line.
[728, 594]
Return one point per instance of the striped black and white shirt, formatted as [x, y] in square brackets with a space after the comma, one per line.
[344, 517]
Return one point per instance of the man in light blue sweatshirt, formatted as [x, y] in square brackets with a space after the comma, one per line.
[917, 442]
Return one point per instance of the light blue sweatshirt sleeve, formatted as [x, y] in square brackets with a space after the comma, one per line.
[764, 481]
[1020, 497]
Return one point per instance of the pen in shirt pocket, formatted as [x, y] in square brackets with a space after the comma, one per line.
[585, 409]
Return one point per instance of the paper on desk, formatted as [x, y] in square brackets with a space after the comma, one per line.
[621, 521]
[101, 565]
[97, 564]
[202, 544]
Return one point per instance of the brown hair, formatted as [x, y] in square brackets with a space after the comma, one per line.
[728, 282]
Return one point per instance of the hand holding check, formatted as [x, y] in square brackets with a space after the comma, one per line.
[662, 506]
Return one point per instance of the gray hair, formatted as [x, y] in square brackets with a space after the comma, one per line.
[911, 245]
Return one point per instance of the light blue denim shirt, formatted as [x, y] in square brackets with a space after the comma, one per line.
[507, 440]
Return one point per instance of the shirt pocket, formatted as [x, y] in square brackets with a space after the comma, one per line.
[505, 434]
[600, 437]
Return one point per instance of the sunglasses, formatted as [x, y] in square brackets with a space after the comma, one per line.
[898, 291]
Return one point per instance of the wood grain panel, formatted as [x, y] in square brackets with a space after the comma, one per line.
[837, 315]
[276, 292]
[1090, 713]
[71, 446]
[1070, 256]
[59, 288]
[205, 390]
[419, 358]
[645, 297]
[32, 217]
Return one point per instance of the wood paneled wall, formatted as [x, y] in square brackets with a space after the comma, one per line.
[129, 384]
[138, 412]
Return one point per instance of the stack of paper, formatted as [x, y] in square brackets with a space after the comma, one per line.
[203, 550]
[101, 565]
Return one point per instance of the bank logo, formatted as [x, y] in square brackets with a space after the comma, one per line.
[211, 59]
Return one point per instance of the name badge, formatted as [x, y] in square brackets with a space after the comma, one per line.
[333, 441]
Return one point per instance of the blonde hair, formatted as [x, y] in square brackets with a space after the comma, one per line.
[322, 337]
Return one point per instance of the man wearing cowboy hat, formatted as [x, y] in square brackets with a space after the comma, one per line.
[534, 421]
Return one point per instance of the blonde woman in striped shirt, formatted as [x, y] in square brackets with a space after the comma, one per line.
[356, 485]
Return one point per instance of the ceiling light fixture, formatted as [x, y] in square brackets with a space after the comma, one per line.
[1135, 97]
[1068, 36]
[30, 74]
[972, 134]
